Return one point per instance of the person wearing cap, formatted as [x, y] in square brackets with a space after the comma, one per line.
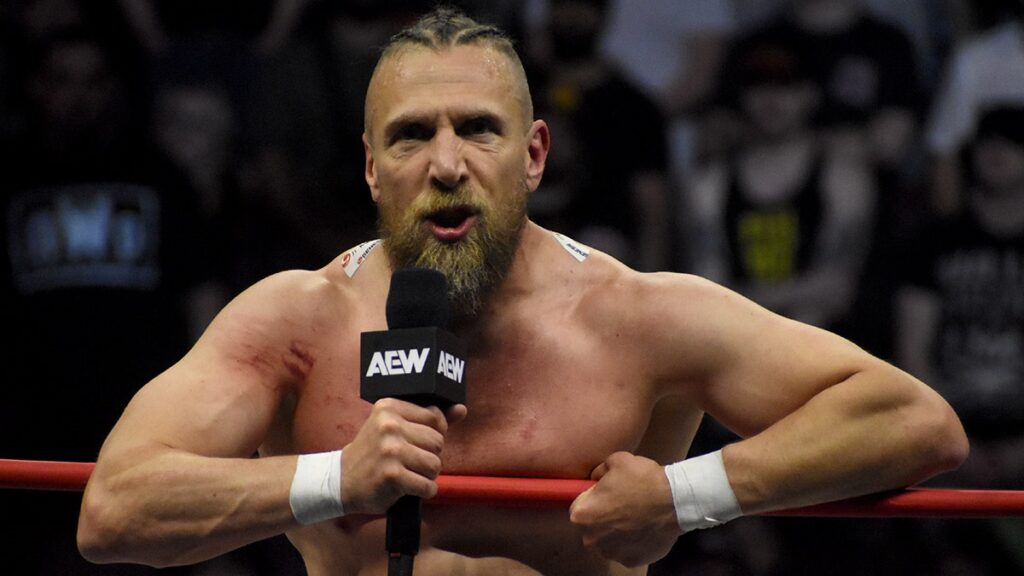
[783, 217]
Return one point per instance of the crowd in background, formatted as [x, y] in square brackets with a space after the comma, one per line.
[854, 164]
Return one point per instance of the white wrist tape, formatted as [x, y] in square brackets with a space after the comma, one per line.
[701, 492]
[316, 488]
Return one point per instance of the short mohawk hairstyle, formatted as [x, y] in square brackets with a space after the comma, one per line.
[445, 27]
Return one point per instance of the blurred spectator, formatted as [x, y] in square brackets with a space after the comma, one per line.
[820, 112]
[94, 278]
[673, 54]
[32, 22]
[867, 73]
[194, 129]
[27, 27]
[967, 18]
[985, 71]
[77, 120]
[930, 24]
[194, 156]
[962, 329]
[607, 186]
[784, 218]
[271, 58]
[265, 24]
[962, 322]
[865, 68]
[670, 55]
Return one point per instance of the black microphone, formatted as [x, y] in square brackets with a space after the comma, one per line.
[419, 361]
[416, 359]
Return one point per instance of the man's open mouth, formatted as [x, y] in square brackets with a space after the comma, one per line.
[451, 224]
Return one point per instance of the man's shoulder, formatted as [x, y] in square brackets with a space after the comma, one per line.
[614, 293]
[307, 295]
[586, 270]
[284, 294]
[670, 326]
[655, 290]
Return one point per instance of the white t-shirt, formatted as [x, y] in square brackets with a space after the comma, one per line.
[986, 71]
[647, 39]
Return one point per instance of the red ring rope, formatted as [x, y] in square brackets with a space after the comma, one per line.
[44, 475]
[542, 492]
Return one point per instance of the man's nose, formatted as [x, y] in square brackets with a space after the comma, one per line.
[447, 163]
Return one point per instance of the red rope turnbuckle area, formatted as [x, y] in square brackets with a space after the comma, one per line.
[548, 493]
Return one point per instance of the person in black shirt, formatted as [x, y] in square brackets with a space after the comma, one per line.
[607, 182]
[97, 266]
[961, 312]
[963, 302]
[782, 218]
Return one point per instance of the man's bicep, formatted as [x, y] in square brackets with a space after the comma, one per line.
[200, 406]
[757, 366]
[221, 398]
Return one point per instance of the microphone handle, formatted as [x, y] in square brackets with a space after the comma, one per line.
[403, 535]
[400, 565]
[402, 538]
[403, 531]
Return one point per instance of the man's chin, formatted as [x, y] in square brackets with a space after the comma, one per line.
[474, 258]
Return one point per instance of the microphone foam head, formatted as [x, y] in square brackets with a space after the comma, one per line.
[418, 297]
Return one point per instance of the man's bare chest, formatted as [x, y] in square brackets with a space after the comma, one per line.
[543, 405]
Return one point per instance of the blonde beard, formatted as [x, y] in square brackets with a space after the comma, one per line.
[473, 265]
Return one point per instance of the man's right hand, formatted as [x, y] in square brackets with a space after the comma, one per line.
[396, 452]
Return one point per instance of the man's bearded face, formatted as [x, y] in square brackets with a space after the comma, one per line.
[475, 263]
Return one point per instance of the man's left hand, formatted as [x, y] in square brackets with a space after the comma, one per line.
[628, 516]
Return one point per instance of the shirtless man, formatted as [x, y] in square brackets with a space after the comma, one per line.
[578, 367]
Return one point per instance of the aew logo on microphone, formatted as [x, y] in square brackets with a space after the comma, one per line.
[412, 364]
[398, 362]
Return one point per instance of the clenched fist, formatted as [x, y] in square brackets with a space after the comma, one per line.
[628, 516]
[396, 452]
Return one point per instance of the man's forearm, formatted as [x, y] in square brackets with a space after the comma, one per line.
[206, 507]
[878, 430]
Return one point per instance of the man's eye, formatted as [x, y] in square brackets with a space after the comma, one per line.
[477, 126]
[412, 132]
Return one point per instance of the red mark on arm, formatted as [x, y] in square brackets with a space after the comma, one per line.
[299, 360]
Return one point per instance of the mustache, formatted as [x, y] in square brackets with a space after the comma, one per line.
[438, 200]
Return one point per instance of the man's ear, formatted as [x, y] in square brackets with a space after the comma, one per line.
[538, 144]
[370, 172]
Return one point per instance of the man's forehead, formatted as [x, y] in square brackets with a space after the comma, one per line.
[414, 71]
[468, 63]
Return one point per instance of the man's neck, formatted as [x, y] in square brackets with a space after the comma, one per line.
[519, 281]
